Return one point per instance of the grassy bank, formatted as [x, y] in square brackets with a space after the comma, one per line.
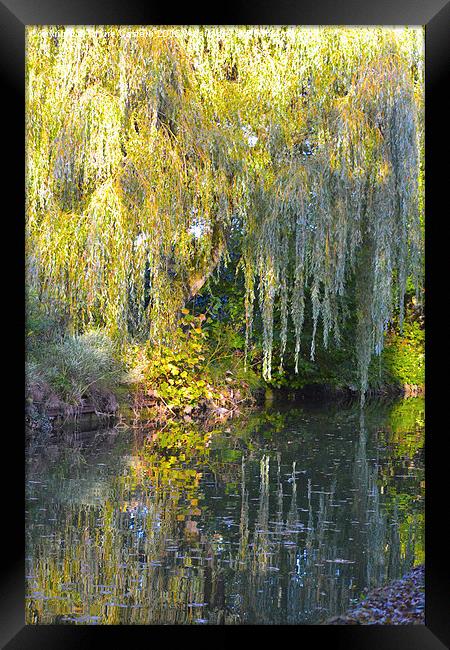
[65, 372]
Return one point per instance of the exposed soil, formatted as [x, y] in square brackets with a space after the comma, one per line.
[47, 413]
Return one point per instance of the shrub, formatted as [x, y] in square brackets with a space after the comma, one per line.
[403, 358]
[176, 374]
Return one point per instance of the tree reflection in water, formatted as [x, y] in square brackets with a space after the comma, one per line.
[282, 516]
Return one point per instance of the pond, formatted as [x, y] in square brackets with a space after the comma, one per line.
[284, 515]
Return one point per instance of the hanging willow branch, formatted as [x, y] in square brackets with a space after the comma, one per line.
[143, 145]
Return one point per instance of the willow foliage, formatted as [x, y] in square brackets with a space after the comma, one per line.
[147, 146]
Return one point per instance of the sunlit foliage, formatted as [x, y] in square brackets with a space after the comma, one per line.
[147, 147]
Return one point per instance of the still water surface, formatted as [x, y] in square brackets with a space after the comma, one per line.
[284, 515]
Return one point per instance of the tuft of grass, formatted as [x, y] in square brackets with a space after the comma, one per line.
[72, 368]
[78, 363]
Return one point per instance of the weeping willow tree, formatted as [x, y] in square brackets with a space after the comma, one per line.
[148, 147]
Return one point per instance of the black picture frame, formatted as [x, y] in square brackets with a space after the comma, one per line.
[15, 15]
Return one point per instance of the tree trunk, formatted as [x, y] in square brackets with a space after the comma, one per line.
[196, 281]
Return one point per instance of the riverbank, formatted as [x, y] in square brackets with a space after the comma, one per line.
[201, 372]
[401, 602]
[139, 403]
[48, 414]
